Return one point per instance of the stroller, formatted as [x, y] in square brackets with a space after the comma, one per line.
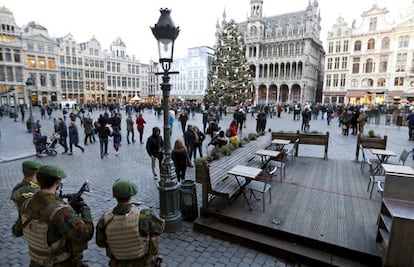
[46, 148]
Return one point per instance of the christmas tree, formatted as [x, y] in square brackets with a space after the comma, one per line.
[230, 76]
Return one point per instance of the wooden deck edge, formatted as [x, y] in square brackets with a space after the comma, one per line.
[291, 247]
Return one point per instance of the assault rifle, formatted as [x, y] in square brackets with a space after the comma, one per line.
[75, 199]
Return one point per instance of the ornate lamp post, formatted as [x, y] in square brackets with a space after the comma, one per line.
[165, 32]
[29, 123]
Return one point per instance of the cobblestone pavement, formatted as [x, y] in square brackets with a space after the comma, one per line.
[182, 248]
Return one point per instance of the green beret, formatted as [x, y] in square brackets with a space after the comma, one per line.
[31, 164]
[53, 171]
[124, 189]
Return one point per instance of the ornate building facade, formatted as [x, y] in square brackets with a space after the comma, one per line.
[63, 70]
[285, 53]
[371, 61]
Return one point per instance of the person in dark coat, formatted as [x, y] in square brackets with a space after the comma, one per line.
[74, 137]
[63, 135]
[183, 119]
[180, 159]
[103, 134]
[190, 143]
[154, 148]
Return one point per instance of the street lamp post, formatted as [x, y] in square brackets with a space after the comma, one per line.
[165, 32]
[29, 123]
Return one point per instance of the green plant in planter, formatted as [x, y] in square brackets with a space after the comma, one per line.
[371, 133]
[215, 153]
[200, 161]
[246, 139]
[234, 146]
[225, 150]
[210, 158]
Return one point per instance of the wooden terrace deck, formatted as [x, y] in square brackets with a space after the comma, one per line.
[324, 203]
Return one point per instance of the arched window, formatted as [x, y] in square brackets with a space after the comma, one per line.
[385, 43]
[381, 82]
[357, 46]
[371, 44]
[253, 31]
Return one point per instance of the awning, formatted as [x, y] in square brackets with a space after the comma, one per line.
[334, 93]
[356, 93]
[136, 98]
[394, 93]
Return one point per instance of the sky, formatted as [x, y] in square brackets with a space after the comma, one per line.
[131, 19]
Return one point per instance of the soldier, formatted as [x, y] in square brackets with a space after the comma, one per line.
[25, 189]
[129, 232]
[56, 232]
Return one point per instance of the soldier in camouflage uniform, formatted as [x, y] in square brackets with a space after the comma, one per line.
[56, 232]
[129, 240]
[25, 189]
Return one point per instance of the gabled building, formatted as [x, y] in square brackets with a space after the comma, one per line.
[371, 61]
[285, 53]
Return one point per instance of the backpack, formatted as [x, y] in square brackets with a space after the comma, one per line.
[228, 132]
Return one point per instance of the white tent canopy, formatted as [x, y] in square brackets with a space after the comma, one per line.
[136, 98]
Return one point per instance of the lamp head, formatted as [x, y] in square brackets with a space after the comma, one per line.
[29, 81]
[165, 32]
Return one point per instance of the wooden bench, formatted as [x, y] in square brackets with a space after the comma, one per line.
[217, 182]
[305, 139]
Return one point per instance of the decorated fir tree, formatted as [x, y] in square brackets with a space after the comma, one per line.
[230, 76]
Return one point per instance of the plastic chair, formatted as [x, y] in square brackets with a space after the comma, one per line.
[291, 151]
[364, 159]
[373, 178]
[401, 160]
[260, 187]
[279, 164]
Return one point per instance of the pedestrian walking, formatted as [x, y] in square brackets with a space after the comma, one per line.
[23, 190]
[116, 137]
[200, 137]
[88, 130]
[56, 232]
[154, 148]
[410, 120]
[362, 118]
[22, 111]
[103, 134]
[180, 158]
[130, 128]
[140, 127]
[183, 118]
[189, 141]
[74, 137]
[63, 135]
[129, 232]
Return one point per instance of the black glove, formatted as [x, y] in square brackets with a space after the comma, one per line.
[77, 204]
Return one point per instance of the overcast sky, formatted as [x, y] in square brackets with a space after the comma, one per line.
[131, 19]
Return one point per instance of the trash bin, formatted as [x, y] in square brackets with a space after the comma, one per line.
[399, 120]
[388, 118]
[188, 200]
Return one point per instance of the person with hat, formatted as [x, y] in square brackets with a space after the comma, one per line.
[24, 190]
[55, 231]
[129, 232]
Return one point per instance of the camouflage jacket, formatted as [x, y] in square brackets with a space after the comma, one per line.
[22, 191]
[77, 229]
[149, 224]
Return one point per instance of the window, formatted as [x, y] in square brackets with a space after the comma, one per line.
[355, 65]
[344, 63]
[357, 46]
[43, 79]
[52, 78]
[383, 64]
[330, 47]
[401, 62]
[367, 83]
[51, 63]
[372, 24]
[346, 44]
[30, 46]
[2, 76]
[328, 80]
[403, 41]
[399, 81]
[329, 64]
[337, 59]
[381, 82]
[31, 61]
[41, 47]
[19, 74]
[338, 46]
[62, 59]
[10, 74]
[8, 55]
[343, 80]
[371, 44]
[42, 62]
[385, 43]
[335, 80]
[16, 54]
[354, 83]
[118, 67]
[291, 48]
[369, 66]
